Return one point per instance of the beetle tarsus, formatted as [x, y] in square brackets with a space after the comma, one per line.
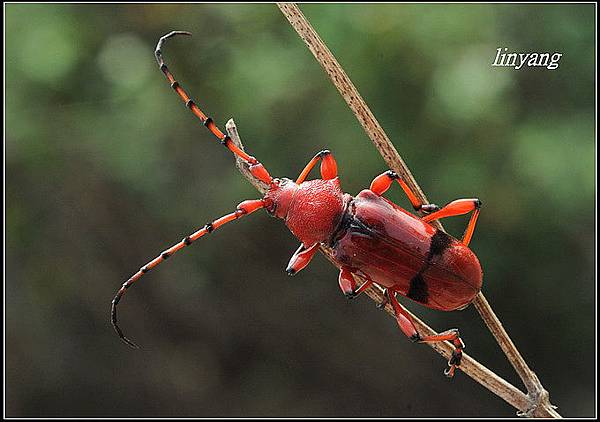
[456, 358]
[449, 372]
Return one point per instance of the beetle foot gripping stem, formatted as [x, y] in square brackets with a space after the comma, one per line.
[454, 361]
[452, 336]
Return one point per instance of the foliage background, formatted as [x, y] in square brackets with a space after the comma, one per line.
[105, 168]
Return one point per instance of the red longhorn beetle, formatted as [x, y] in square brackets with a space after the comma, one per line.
[370, 236]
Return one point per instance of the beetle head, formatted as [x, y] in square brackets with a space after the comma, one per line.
[279, 197]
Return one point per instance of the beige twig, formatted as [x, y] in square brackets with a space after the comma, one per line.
[536, 402]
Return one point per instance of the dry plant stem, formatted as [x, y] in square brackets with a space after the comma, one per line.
[537, 394]
[469, 366]
[539, 404]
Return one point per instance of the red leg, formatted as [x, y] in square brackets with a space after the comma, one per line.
[459, 207]
[382, 183]
[301, 258]
[328, 166]
[348, 284]
[408, 328]
[402, 317]
[453, 337]
[256, 168]
[244, 208]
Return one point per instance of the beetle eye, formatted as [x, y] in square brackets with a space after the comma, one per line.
[270, 206]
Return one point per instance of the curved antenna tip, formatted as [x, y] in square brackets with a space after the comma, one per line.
[157, 51]
[130, 343]
[125, 339]
[173, 33]
[113, 320]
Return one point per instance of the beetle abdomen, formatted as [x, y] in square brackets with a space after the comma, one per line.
[403, 253]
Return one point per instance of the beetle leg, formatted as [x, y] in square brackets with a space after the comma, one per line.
[328, 166]
[348, 284]
[382, 183]
[301, 258]
[403, 318]
[459, 207]
[452, 336]
[407, 326]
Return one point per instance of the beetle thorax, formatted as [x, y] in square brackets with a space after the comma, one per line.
[311, 210]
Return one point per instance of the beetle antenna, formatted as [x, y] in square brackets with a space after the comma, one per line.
[244, 208]
[255, 167]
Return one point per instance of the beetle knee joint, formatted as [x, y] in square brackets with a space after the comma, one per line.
[392, 174]
[427, 208]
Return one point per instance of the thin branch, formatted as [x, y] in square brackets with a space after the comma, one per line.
[538, 398]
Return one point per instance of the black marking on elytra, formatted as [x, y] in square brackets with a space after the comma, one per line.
[209, 228]
[207, 122]
[418, 289]
[440, 241]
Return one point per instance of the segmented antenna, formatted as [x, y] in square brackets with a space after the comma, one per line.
[255, 167]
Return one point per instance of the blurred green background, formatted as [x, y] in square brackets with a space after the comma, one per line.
[105, 168]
